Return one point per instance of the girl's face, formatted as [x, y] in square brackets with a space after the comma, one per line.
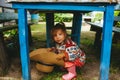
[59, 36]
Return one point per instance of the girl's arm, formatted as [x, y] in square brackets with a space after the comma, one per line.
[60, 56]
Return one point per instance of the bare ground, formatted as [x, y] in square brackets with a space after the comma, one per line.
[89, 72]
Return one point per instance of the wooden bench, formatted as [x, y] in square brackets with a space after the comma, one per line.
[3, 51]
[98, 29]
[7, 14]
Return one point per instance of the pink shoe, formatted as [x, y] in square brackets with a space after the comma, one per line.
[68, 76]
[71, 74]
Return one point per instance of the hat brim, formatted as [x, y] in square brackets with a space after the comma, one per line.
[44, 68]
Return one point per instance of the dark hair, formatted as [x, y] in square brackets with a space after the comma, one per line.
[58, 26]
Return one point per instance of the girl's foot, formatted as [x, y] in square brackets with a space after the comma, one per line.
[69, 76]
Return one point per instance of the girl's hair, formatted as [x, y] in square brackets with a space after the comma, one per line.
[58, 26]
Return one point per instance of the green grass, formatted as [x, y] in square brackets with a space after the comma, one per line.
[39, 31]
[53, 76]
[57, 73]
[38, 28]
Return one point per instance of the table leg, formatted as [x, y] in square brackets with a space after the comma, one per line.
[76, 27]
[106, 42]
[97, 40]
[23, 38]
[49, 25]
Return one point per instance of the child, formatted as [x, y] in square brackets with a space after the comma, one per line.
[70, 52]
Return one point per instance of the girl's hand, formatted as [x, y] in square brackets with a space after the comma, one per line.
[60, 56]
[48, 49]
[51, 49]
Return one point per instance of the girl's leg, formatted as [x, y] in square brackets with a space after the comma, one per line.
[71, 73]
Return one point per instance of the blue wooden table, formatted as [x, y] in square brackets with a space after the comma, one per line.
[107, 8]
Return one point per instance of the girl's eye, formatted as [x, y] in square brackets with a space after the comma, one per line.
[54, 35]
[60, 34]
[67, 49]
[74, 48]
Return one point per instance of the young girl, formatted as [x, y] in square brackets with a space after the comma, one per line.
[70, 52]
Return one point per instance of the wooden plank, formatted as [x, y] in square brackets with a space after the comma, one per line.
[96, 27]
[117, 7]
[95, 24]
[117, 18]
[5, 28]
[93, 1]
[4, 4]
[61, 6]
[116, 29]
[8, 16]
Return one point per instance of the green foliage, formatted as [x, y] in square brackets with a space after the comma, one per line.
[64, 17]
[87, 14]
[98, 17]
[42, 17]
[117, 24]
[58, 17]
[117, 13]
[12, 42]
[10, 33]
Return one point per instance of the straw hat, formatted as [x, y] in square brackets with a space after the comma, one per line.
[45, 60]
